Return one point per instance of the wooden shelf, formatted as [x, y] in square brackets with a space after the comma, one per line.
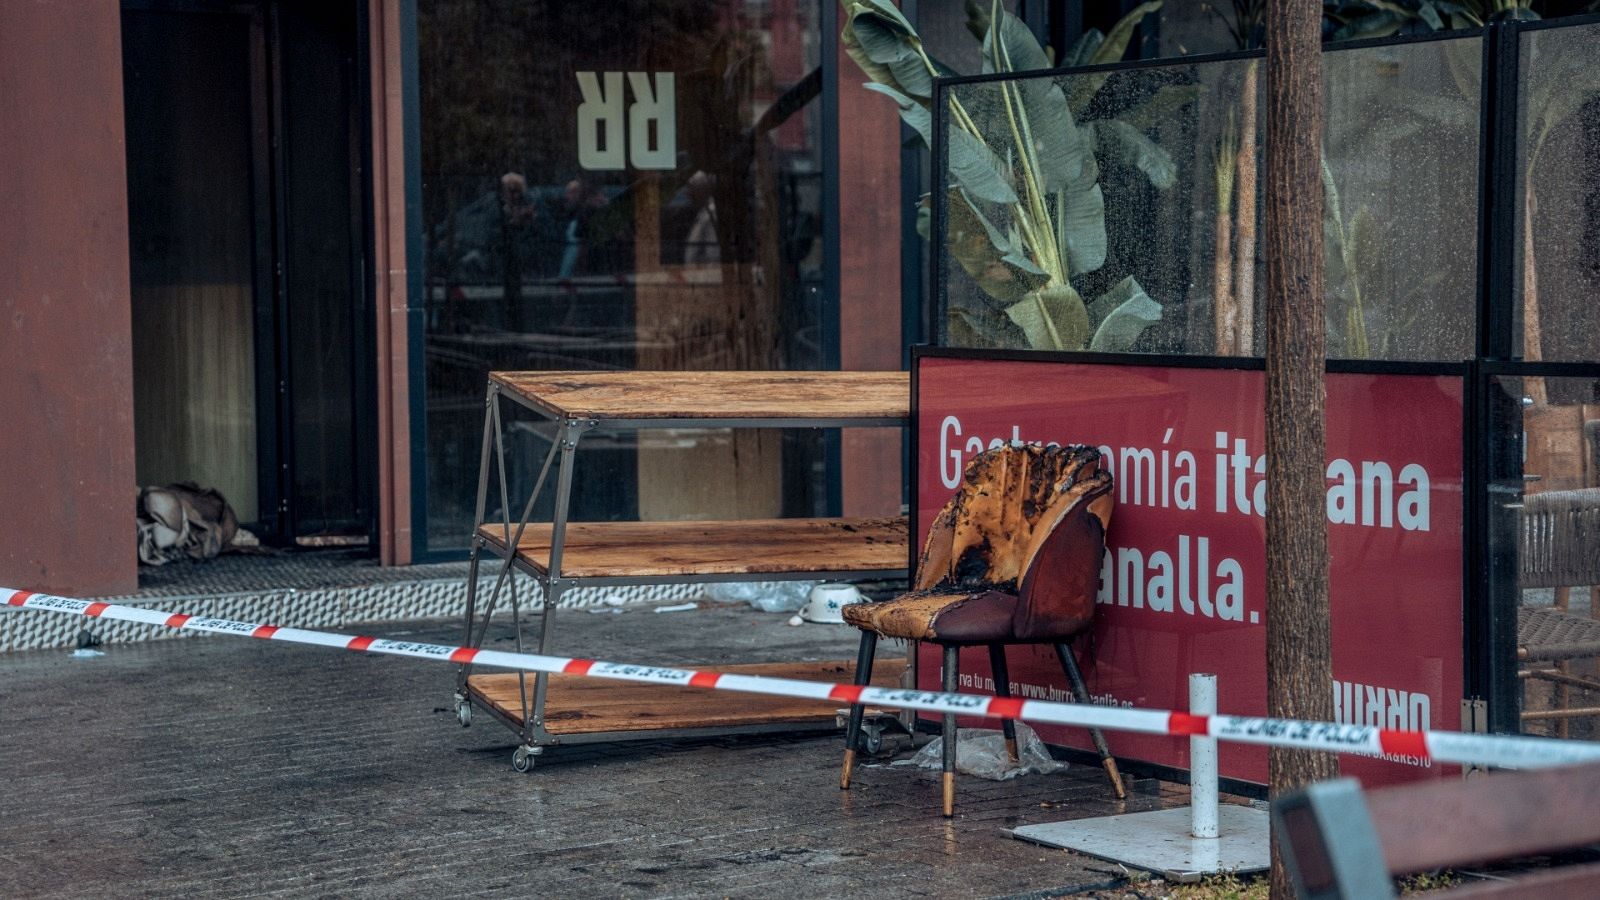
[578, 705]
[735, 547]
[792, 396]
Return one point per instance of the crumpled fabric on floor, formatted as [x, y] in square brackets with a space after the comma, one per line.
[184, 520]
[982, 752]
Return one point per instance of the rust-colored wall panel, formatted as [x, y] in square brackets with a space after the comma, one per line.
[389, 288]
[66, 395]
[869, 279]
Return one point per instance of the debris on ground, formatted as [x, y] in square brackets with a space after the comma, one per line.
[982, 752]
[767, 596]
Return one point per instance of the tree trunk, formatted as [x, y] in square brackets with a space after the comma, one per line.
[1299, 668]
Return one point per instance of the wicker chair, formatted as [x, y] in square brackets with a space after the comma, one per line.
[1013, 558]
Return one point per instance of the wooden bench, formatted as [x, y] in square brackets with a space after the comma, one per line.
[1341, 842]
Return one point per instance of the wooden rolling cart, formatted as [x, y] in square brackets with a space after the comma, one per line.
[561, 555]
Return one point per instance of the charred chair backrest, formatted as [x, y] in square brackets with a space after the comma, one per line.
[1028, 520]
[1013, 558]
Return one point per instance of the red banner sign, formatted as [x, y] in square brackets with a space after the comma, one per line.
[1183, 585]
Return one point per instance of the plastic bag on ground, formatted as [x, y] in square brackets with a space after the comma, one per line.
[767, 596]
[982, 752]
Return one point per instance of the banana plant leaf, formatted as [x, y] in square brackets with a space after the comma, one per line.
[1366, 241]
[978, 170]
[1052, 318]
[981, 329]
[1117, 138]
[1017, 50]
[1517, 14]
[1008, 243]
[1116, 42]
[1121, 315]
[1082, 50]
[1061, 150]
[1108, 50]
[981, 256]
[1081, 227]
[1160, 106]
[885, 45]
[1381, 23]
[912, 112]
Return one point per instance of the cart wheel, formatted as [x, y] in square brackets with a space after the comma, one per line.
[464, 713]
[871, 740]
[522, 760]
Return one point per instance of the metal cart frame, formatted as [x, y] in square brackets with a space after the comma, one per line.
[565, 432]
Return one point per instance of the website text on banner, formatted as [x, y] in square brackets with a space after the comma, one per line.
[1508, 752]
[1183, 587]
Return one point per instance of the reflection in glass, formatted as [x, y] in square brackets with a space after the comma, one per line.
[1026, 209]
[623, 185]
[1163, 230]
[1400, 178]
[1545, 520]
[1129, 144]
[1558, 210]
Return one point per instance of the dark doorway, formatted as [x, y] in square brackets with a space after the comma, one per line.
[252, 326]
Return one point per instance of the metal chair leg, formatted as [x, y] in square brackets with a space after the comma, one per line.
[952, 657]
[1002, 688]
[852, 734]
[1081, 692]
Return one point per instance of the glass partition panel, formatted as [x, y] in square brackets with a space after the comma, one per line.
[1558, 193]
[1103, 235]
[1546, 522]
[1132, 221]
[622, 185]
[1400, 181]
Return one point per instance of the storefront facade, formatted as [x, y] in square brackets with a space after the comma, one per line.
[275, 248]
[337, 220]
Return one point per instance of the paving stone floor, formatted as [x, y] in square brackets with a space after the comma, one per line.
[229, 767]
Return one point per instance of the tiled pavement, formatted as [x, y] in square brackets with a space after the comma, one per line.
[224, 767]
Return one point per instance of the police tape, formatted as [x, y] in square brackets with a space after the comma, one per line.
[1504, 751]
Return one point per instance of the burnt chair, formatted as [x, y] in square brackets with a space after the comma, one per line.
[1013, 558]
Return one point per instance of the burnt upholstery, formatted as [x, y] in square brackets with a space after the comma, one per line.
[1014, 557]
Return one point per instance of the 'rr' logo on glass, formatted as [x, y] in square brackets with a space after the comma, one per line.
[652, 128]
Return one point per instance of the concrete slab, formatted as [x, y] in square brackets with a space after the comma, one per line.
[1159, 841]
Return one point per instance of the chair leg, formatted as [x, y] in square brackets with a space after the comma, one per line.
[1081, 692]
[952, 657]
[1002, 688]
[852, 734]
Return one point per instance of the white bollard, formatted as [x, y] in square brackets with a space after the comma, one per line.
[1203, 760]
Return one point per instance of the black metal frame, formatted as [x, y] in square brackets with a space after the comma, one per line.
[1490, 590]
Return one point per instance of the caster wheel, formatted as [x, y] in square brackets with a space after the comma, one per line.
[464, 713]
[871, 741]
[522, 760]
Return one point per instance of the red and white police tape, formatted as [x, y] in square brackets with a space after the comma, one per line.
[1441, 746]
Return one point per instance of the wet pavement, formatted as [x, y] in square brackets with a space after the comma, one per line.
[228, 767]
